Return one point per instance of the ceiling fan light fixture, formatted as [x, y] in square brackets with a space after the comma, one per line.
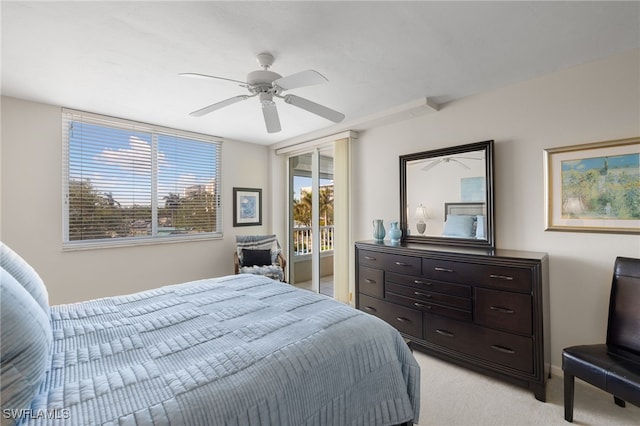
[266, 98]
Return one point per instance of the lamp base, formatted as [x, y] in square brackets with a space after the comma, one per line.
[421, 227]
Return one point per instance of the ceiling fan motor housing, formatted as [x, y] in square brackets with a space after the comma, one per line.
[261, 80]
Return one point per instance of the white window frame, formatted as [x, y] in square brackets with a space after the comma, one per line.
[70, 115]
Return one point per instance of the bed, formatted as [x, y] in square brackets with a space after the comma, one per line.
[235, 350]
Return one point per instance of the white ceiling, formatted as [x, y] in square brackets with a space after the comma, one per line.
[123, 58]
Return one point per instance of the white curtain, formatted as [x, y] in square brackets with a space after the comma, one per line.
[343, 256]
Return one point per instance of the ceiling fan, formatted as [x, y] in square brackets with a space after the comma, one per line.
[266, 85]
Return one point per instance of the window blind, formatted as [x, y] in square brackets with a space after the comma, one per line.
[126, 182]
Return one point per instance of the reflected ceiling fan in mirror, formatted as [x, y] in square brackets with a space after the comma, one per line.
[433, 163]
[267, 85]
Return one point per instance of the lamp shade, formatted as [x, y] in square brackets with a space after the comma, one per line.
[421, 213]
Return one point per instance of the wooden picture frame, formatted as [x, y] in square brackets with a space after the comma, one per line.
[593, 187]
[247, 206]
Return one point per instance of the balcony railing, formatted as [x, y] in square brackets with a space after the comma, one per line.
[303, 239]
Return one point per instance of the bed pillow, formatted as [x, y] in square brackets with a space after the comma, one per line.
[24, 274]
[252, 257]
[459, 226]
[26, 337]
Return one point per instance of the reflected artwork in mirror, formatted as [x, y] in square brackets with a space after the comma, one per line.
[446, 196]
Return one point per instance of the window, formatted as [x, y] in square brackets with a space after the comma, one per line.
[126, 182]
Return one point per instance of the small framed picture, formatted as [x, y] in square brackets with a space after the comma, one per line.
[247, 206]
[594, 187]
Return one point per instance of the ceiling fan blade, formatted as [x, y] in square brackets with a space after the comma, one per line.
[431, 165]
[271, 119]
[206, 77]
[218, 105]
[315, 108]
[468, 158]
[422, 160]
[300, 79]
[461, 163]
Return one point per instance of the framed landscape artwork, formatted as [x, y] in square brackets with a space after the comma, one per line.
[594, 187]
[247, 206]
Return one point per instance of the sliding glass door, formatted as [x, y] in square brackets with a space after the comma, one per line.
[311, 227]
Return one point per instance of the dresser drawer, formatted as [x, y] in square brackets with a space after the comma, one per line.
[504, 310]
[390, 262]
[371, 281]
[499, 277]
[428, 296]
[445, 270]
[502, 277]
[491, 345]
[434, 308]
[405, 319]
[371, 258]
[430, 284]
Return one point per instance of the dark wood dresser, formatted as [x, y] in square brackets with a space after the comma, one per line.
[484, 309]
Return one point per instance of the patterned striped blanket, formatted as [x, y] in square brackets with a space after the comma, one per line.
[236, 350]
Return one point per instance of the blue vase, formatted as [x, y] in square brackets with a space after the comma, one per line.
[378, 230]
[395, 233]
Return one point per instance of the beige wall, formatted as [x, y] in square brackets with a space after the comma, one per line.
[31, 216]
[590, 103]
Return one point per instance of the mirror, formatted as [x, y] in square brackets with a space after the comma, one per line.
[446, 196]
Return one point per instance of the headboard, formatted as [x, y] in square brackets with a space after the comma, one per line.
[467, 220]
[466, 209]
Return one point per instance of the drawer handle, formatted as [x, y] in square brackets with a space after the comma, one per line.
[369, 258]
[369, 281]
[501, 277]
[502, 310]
[371, 308]
[445, 333]
[404, 320]
[421, 282]
[421, 305]
[503, 349]
[402, 264]
[417, 293]
[439, 269]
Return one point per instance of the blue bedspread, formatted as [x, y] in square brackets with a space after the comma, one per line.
[236, 350]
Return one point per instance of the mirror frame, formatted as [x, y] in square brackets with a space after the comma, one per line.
[489, 242]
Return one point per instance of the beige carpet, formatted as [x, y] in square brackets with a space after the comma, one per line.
[451, 395]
